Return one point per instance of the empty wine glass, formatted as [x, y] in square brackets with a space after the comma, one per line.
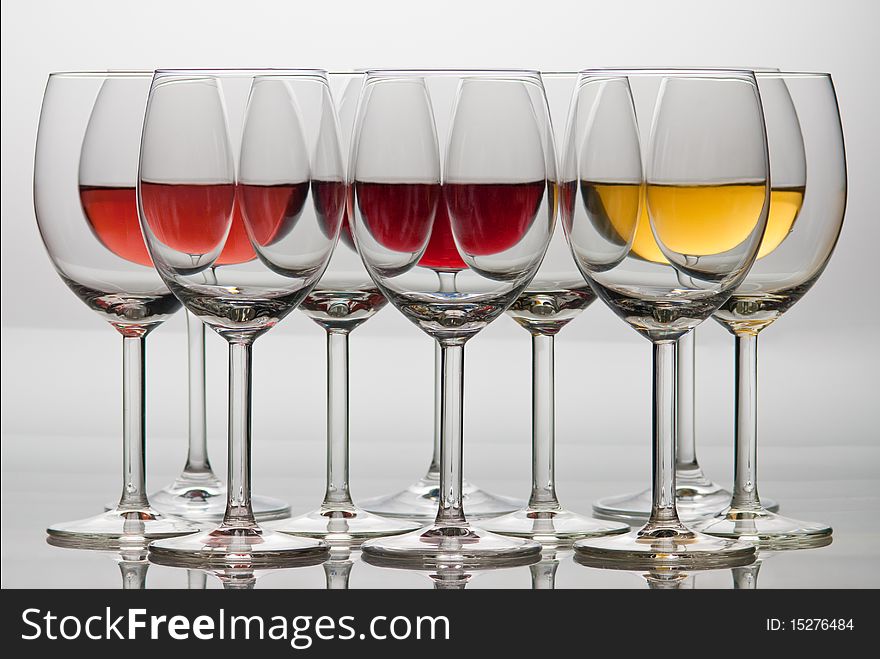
[289, 192]
[706, 186]
[344, 299]
[555, 297]
[85, 170]
[452, 258]
[808, 169]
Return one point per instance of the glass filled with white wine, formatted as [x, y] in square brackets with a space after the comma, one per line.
[688, 149]
[808, 200]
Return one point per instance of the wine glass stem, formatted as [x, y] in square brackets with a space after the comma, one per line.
[196, 579]
[543, 424]
[544, 575]
[434, 468]
[685, 443]
[197, 453]
[451, 420]
[336, 575]
[337, 419]
[746, 578]
[239, 513]
[134, 492]
[745, 471]
[663, 511]
[134, 575]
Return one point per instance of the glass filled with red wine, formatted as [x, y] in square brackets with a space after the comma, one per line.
[85, 170]
[343, 300]
[453, 198]
[107, 187]
[286, 184]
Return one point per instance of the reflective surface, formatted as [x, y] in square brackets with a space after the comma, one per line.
[41, 455]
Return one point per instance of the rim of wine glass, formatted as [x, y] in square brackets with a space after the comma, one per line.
[415, 72]
[242, 72]
[108, 73]
[756, 69]
[661, 71]
[792, 74]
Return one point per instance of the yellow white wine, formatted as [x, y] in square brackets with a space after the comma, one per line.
[695, 220]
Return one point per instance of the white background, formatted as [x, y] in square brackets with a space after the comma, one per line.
[61, 363]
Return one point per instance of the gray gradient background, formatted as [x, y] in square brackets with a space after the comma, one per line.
[61, 364]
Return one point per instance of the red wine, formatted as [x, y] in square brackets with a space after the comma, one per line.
[192, 218]
[271, 211]
[113, 216]
[238, 248]
[329, 198]
[442, 253]
[399, 216]
[488, 218]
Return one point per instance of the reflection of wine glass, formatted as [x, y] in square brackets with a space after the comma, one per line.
[84, 172]
[337, 568]
[809, 173]
[344, 299]
[657, 577]
[447, 576]
[131, 558]
[544, 571]
[289, 191]
[706, 187]
[452, 258]
[555, 297]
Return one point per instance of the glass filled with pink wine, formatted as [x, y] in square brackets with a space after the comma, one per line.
[85, 170]
[453, 197]
[286, 183]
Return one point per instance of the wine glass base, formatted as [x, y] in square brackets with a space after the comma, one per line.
[115, 529]
[206, 502]
[451, 547]
[421, 499]
[664, 548]
[350, 526]
[240, 548]
[552, 528]
[694, 502]
[767, 530]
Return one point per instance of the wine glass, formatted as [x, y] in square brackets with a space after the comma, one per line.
[84, 175]
[344, 299]
[705, 183]
[452, 257]
[197, 493]
[289, 192]
[808, 169]
[556, 296]
[696, 495]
